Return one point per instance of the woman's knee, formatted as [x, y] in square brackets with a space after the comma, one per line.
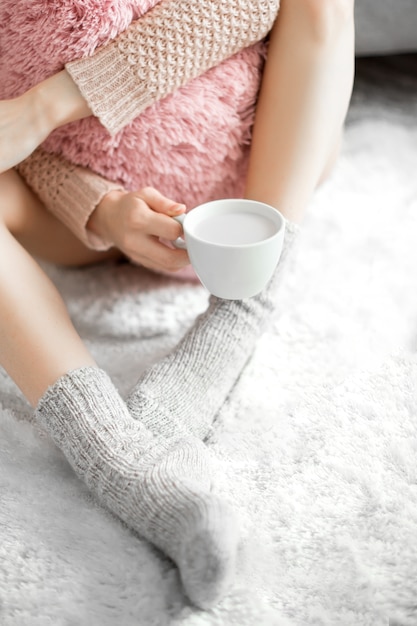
[324, 20]
[37, 230]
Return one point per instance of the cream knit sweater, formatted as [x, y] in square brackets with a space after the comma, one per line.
[167, 47]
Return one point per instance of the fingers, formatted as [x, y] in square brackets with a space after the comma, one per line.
[143, 246]
[158, 220]
[157, 256]
[164, 227]
[159, 203]
[139, 220]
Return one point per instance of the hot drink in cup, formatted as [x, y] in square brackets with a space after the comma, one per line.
[234, 245]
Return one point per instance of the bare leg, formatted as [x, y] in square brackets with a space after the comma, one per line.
[38, 342]
[136, 474]
[302, 106]
[303, 102]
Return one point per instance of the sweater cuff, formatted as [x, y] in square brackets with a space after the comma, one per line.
[69, 192]
[123, 98]
[77, 199]
[170, 45]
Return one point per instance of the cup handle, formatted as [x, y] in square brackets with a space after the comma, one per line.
[179, 242]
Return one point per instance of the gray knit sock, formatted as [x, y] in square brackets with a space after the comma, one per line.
[160, 488]
[184, 391]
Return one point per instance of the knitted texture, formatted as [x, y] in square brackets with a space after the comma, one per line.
[183, 392]
[163, 51]
[74, 192]
[191, 145]
[160, 488]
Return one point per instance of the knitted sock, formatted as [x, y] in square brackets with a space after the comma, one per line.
[158, 487]
[184, 391]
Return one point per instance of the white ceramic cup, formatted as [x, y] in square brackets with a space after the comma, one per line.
[234, 245]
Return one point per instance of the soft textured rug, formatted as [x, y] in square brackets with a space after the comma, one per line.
[318, 441]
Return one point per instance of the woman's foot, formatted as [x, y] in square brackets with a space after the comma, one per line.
[159, 487]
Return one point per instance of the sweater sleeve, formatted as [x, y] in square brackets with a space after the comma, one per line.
[69, 192]
[173, 43]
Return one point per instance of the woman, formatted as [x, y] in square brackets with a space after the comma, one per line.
[146, 460]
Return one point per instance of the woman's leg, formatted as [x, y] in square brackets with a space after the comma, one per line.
[160, 488]
[303, 102]
[38, 342]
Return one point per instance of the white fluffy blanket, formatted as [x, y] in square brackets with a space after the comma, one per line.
[318, 440]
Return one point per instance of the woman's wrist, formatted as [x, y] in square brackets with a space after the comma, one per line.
[59, 101]
[100, 220]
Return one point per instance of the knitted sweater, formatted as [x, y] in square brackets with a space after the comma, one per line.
[192, 145]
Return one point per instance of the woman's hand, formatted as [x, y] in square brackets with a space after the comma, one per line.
[26, 121]
[135, 222]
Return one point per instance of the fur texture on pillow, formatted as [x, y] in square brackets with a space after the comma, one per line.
[192, 146]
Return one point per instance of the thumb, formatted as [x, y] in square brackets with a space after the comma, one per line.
[160, 203]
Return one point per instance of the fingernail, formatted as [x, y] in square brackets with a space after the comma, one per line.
[178, 208]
